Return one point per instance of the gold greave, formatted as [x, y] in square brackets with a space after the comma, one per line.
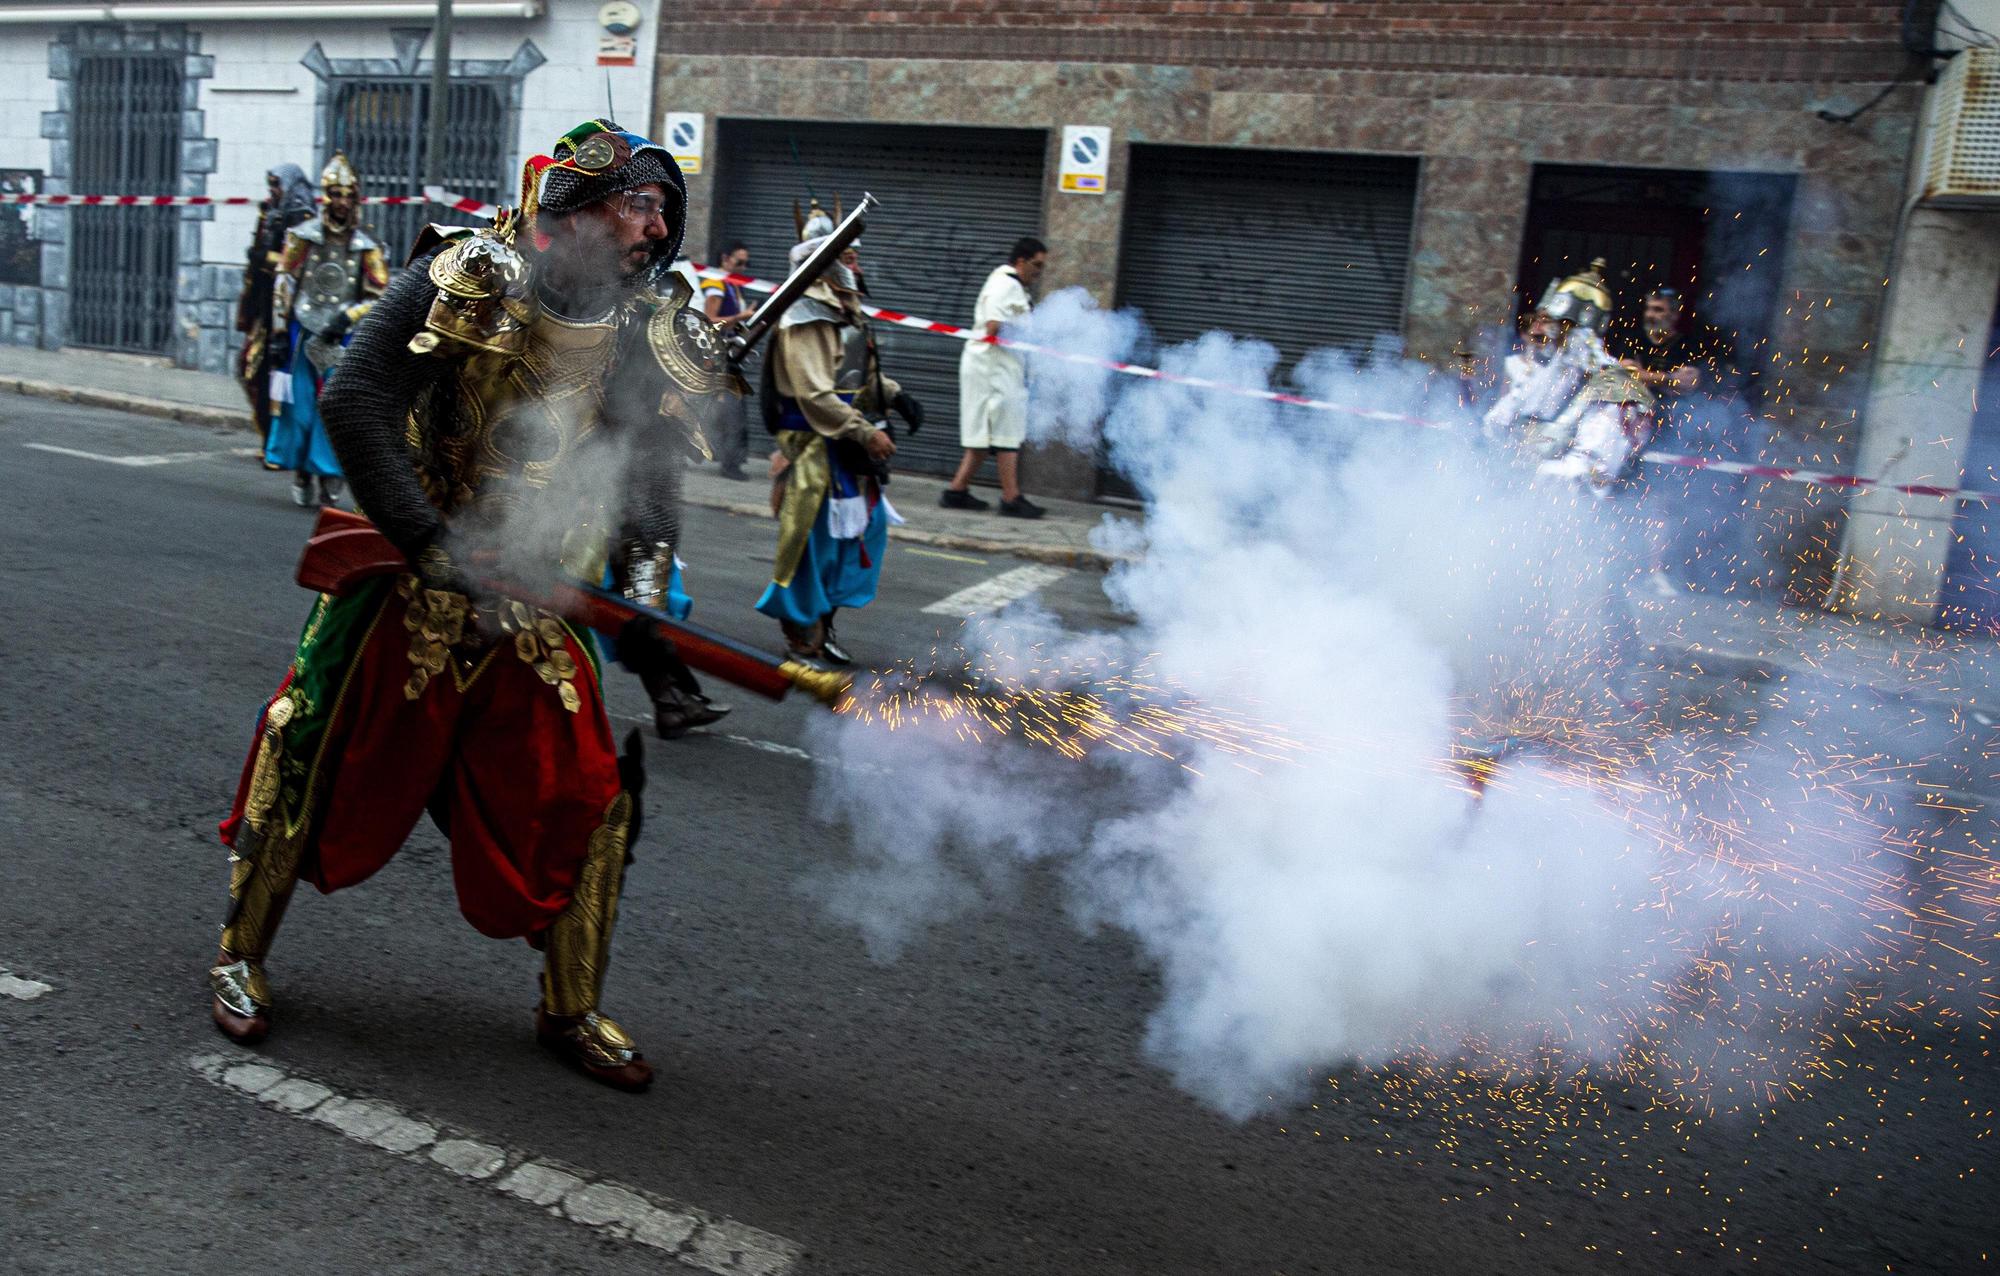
[579, 941]
[263, 869]
[260, 885]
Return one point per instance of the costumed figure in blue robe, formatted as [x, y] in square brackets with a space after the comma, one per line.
[833, 447]
[329, 274]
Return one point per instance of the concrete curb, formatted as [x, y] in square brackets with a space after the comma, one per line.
[1055, 555]
[138, 404]
[226, 418]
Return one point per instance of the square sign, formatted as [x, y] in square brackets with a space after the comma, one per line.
[1086, 159]
[684, 139]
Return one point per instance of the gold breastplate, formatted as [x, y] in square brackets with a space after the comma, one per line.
[520, 417]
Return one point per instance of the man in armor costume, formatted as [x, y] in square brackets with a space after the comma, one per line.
[520, 399]
[328, 274]
[291, 202]
[832, 456]
[1570, 406]
[1584, 419]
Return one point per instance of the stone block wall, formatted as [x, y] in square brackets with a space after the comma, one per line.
[1479, 138]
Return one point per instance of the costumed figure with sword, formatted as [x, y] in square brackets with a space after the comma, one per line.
[825, 399]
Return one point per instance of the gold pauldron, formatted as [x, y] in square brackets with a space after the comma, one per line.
[482, 299]
[685, 345]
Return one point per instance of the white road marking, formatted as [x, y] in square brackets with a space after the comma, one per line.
[160, 458]
[765, 746]
[22, 989]
[997, 592]
[609, 1208]
[921, 552]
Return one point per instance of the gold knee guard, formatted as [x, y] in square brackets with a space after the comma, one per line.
[579, 941]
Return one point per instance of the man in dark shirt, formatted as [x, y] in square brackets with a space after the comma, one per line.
[1667, 360]
[1690, 373]
[723, 303]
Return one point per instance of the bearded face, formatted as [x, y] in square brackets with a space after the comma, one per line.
[1545, 336]
[342, 203]
[1660, 320]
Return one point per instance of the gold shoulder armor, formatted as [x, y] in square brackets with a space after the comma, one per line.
[687, 346]
[482, 301]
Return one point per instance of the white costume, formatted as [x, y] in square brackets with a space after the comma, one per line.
[992, 382]
[1580, 413]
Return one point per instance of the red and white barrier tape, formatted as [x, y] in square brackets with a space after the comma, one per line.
[1782, 473]
[477, 208]
[431, 195]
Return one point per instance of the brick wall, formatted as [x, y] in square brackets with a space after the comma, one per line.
[1778, 39]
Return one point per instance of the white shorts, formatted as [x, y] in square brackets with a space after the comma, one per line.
[992, 401]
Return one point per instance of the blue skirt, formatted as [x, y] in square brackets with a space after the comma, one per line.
[298, 437]
[830, 573]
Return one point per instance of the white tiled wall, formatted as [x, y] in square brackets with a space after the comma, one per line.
[25, 92]
[271, 117]
[258, 130]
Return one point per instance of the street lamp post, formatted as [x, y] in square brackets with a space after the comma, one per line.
[440, 94]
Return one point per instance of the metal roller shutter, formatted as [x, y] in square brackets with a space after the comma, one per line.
[1303, 250]
[953, 201]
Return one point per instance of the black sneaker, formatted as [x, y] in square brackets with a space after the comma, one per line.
[953, 499]
[734, 472]
[1021, 507]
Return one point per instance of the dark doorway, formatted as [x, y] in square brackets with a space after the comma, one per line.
[20, 255]
[1717, 237]
[127, 122]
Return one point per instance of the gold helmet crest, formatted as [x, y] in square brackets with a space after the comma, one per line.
[339, 180]
[1581, 298]
[339, 177]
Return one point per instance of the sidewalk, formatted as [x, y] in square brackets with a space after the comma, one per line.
[1751, 634]
[153, 387]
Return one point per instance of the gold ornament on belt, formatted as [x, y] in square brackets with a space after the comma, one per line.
[542, 643]
[435, 619]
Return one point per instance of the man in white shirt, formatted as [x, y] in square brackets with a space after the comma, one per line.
[993, 386]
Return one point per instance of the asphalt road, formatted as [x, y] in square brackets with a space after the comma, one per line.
[981, 1105]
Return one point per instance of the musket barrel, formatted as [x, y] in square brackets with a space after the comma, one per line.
[745, 339]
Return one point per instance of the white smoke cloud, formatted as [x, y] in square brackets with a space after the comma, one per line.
[1360, 590]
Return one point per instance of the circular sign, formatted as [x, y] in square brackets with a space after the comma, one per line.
[1084, 150]
[619, 17]
[683, 135]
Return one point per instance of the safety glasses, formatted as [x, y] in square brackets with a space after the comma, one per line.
[640, 206]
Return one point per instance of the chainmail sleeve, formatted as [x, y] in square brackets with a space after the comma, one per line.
[655, 508]
[366, 409]
[653, 446]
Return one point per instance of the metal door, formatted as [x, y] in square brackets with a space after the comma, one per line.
[127, 142]
[954, 200]
[1304, 250]
[382, 124]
